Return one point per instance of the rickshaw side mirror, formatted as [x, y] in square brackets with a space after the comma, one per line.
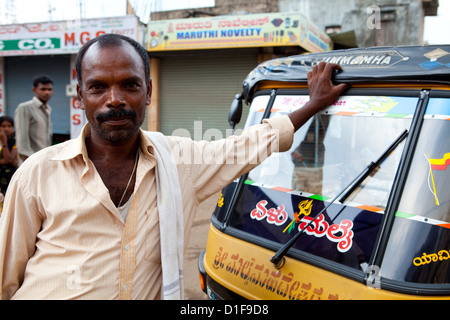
[235, 111]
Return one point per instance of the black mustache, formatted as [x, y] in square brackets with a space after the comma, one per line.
[111, 114]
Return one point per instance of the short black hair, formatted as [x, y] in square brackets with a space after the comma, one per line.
[111, 39]
[41, 78]
[8, 119]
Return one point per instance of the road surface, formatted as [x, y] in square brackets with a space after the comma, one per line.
[196, 244]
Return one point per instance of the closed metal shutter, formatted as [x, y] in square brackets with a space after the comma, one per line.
[200, 86]
[19, 74]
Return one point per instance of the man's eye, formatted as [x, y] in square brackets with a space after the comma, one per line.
[132, 85]
[96, 87]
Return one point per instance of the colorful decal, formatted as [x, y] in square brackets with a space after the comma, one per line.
[440, 164]
[433, 191]
[399, 214]
[220, 201]
[260, 275]
[434, 55]
[429, 258]
[373, 106]
[418, 218]
[436, 164]
[378, 104]
[341, 233]
[305, 209]
[273, 216]
[366, 106]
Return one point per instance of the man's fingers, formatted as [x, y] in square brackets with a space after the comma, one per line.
[329, 68]
[340, 88]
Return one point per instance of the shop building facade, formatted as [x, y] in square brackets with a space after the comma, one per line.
[50, 48]
[198, 65]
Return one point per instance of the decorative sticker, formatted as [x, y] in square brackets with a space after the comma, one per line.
[373, 106]
[305, 207]
[436, 164]
[272, 216]
[341, 233]
[220, 201]
[440, 164]
[433, 257]
[433, 57]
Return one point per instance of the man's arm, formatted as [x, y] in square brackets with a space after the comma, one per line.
[20, 223]
[322, 93]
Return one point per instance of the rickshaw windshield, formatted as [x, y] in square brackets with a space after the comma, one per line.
[283, 194]
[332, 148]
[418, 248]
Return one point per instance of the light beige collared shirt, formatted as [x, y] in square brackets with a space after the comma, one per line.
[61, 237]
[33, 126]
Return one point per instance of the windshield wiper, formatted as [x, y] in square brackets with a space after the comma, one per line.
[278, 258]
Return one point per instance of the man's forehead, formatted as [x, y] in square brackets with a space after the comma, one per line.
[97, 56]
[123, 46]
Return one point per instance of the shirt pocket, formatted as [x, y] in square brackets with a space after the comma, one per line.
[152, 238]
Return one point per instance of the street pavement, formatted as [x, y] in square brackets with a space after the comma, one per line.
[196, 244]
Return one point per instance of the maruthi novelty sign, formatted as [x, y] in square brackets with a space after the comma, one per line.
[235, 31]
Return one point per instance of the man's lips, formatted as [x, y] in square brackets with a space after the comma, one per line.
[117, 121]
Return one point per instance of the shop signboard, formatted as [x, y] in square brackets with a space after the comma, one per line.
[63, 37]
[237, 31]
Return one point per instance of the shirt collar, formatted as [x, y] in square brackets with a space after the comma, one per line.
[38, 104]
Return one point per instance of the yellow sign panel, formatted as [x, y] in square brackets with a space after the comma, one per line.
[256, 30]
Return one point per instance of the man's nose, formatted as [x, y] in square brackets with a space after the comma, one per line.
[115, 98]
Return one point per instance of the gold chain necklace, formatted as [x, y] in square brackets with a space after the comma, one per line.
[131, 177]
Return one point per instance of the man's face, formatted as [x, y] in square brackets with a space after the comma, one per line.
[114, 92]
[43, 91]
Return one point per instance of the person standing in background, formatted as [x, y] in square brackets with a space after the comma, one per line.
[8, 153]
[33, 119]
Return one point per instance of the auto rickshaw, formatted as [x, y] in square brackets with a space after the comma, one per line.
[359, 207]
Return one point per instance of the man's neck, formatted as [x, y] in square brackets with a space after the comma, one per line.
[99, 149]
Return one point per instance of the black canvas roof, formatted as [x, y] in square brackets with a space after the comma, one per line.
[414, 64]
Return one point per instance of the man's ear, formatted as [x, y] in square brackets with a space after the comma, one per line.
[80, 97]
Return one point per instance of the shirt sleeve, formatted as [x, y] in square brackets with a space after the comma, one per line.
[20, 223]
[213, 165]
[22, 119]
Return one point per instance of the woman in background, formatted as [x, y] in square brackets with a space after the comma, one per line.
[8, 152]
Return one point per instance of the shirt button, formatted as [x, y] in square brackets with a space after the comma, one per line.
[127, 247]
[124, 287]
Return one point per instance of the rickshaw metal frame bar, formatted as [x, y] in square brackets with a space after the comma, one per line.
[240, 185]
[399, 183]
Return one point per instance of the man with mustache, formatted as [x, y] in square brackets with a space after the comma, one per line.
[33, 119]
[107, 215]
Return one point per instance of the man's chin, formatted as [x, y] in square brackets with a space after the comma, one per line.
[118, 135]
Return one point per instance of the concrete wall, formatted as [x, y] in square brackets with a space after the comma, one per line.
[404, 28]
[223, 7]
[399, 22]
